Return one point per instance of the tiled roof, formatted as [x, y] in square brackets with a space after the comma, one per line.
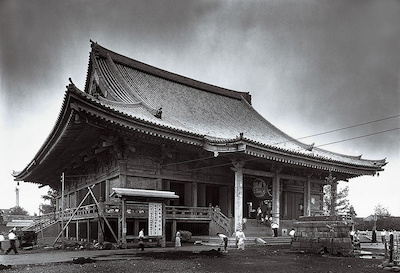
[220, 115]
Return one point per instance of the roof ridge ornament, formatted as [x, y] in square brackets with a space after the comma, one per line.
[71, 86]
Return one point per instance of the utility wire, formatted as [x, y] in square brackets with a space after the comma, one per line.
[348, 127]
[352, 138]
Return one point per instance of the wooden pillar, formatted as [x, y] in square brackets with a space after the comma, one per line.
[123, 223]
[163, 242]
[194, 194]
[173, 229]
[136, 227]
[201, 201]
[88, 230]
[230, 202]
[188, 194]
[223, 199]
[276, 198]
[77, 230]
[334, 197]
[238, 169]
[108, 190]
[307, 197]
[285, 203]
[100, 222]
[67, 232]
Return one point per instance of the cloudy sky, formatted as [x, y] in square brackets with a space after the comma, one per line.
[311, 66]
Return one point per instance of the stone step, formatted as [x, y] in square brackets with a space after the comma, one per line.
[215, 241]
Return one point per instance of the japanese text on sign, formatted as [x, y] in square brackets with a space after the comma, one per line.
[155, 219]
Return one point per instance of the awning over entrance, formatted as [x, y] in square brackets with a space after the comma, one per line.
[126, 192]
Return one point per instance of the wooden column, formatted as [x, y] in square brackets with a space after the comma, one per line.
[194, 194]
[123, 222]
[88, 230]
[230, 202]
[307, 197]
[163, 242]
[223, 199]
[173, 229]
[334, 197]
[77, 230]
[238, 169]
[67, 232]
[188, 194]
[276, 198]
[201, 196]
[100, 222]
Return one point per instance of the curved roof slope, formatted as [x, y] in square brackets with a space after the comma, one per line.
[219, 114]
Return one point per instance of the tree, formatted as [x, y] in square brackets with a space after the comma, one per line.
[342, 202]
[51, 196]
[18, 211]
[381, 211]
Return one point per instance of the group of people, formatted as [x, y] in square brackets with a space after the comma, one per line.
[383, 234]
[265, 219]
[12, 237]
[141, 239]
[239, 236]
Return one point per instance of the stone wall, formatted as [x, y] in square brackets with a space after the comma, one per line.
[323, 234]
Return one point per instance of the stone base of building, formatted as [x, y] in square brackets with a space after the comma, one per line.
[323, 234]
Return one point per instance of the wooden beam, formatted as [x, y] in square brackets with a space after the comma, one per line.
[258, 173]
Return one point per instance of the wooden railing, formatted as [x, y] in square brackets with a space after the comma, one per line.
[42, 222]
[133, 209]
[176, 212]
[221, 220]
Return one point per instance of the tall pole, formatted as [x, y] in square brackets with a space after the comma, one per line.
[16, 196]
[62, 208]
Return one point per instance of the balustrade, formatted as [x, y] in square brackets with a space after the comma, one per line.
[134, 210]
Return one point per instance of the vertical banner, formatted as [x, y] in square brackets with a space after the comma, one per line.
[155, 219]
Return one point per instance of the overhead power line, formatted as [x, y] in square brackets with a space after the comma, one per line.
[352, 138]
[348, 127]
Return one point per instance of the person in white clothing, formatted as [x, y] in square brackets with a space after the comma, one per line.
[240, 237]
[2, 239]
[12, 237]
[178, 239]
[141, 237]
[275, 227]
[224, 240]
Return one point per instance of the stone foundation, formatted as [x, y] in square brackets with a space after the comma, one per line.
[329, 234]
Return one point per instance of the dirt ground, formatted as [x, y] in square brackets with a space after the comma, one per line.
[277, 259]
